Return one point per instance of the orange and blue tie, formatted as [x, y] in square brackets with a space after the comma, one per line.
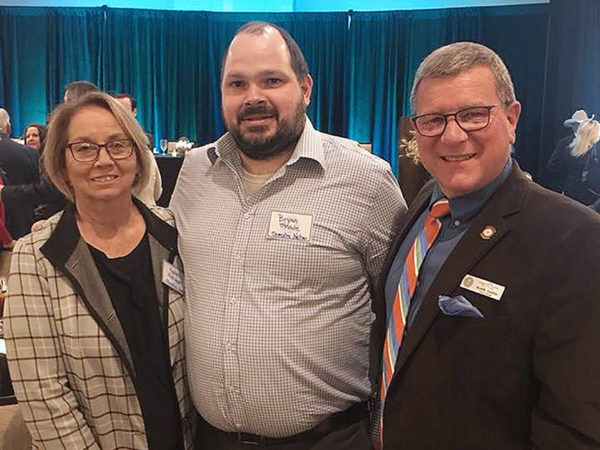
[404, 292]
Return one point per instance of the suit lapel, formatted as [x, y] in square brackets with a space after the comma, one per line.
[467, 253]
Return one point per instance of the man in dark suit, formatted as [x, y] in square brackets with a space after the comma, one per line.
[491, 326]
[21, 166]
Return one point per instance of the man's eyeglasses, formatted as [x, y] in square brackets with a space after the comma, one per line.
[469, 119]
[88, 151]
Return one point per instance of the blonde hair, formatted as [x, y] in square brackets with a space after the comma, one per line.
[588, 134]
[4, 121]
[56, 139]
[455, 58]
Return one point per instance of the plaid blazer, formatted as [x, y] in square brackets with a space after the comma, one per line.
[70, 365]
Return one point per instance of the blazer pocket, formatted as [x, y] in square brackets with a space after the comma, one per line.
[482, 347]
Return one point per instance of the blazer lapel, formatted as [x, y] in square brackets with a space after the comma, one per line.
[82, 268]
[467, 253]
[66, 250]
[162, 239]
[159, 255]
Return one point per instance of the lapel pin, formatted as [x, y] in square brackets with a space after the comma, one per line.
[487, 232]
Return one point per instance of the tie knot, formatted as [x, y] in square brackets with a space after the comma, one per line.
[440, 208]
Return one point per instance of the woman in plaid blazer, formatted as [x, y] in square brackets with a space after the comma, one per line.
[73, 338]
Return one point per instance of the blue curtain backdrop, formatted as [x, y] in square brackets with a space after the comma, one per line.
[362, 63]
[41, 50]
[574, 79]
[387, 48]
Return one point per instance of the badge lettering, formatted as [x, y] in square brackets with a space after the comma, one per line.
[290, 226]
[482, 287]
[171, 276]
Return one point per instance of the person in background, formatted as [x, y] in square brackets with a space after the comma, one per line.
[152, 191]
[6, 240]
[283, 230]
[129, 101]
[94, 332]
[562, 145]
[20, 165]
[77, 89]
[42, 197]
[34, 135]
[490, 292]
[574, 165]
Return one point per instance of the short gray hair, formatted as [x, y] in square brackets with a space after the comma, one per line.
[4, 121]
[56, 139]
[456, 58]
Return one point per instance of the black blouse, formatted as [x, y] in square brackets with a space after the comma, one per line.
[129, 281]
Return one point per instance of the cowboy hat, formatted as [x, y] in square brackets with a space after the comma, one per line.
[578, 116]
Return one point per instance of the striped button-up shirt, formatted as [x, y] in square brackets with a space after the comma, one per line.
[278, 283]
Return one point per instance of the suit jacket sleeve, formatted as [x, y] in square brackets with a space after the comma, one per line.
[49, 406]
[566, 345]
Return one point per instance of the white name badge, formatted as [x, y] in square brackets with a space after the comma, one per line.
[483, 287]
[171, 276]
[290, 226]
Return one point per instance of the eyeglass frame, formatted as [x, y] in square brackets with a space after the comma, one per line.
[105, 145]
[455, 114]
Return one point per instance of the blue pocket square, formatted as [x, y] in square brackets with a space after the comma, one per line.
[458, 306]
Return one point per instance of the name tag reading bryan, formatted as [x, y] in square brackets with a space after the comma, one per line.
[290, 226]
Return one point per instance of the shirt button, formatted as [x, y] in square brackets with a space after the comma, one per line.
[230, 346]
[237, 257]
[246, 215]
[233, 300]
[233, 389]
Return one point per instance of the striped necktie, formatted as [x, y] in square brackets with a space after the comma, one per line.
[406, 288]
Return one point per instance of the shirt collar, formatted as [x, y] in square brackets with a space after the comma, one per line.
[309, 146]
[464, 208]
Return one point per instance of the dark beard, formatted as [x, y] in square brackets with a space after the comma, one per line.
[260, 147]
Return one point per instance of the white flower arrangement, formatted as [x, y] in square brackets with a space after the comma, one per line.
[182, 146]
